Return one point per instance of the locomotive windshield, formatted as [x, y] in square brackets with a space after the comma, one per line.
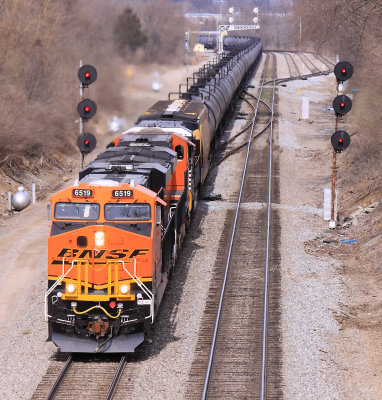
[127, 212]
[87, 211]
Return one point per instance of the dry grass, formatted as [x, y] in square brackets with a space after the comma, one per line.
[351, 29]
[41, 44]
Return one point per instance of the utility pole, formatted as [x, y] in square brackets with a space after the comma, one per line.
[300, 34]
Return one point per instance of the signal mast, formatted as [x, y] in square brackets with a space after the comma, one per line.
[223, 29]
[86, 108]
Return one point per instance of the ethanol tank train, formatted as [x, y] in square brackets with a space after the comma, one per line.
[115, 234]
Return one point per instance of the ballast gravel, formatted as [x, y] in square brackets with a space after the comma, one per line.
[24, 353]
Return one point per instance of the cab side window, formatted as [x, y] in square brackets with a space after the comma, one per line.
[180, 152]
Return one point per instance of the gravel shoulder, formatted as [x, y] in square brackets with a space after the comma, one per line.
[311, 289]
[330, 299]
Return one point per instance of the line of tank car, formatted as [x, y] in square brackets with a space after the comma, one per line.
[116, 233]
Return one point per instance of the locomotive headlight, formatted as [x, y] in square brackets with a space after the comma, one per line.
[99, 238]
[123, 289]
[70, 288]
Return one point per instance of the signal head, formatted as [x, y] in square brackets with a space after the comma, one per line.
[87, 109]
[87, 74]
[340, 141]
[342, 104]
[343, 71]
[86, 142]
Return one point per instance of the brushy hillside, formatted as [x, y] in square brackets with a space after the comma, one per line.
[41, 44]
[352, 30]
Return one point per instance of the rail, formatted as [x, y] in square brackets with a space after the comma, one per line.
[57, 384]
[266, 279]
[116, 378]
[53, 391]
[216, 329]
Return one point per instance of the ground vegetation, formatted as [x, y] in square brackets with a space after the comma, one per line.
[350, 30]
[41, 45]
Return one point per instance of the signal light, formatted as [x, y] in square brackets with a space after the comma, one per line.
[112, 304]
[87, 74]
[86, 142]
[340, 141]
[342, 104]
[343, 71]
[87, 109]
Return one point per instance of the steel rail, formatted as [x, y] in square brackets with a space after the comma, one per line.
[116, 378]
[297, 51]
[266, 278]
[213, 344]
[323, 60]
[225, 143]
[311, 62]
[304, 59]
[233, 151]
[281, 80]
[294, 63]
[56, 386]
[288, 62]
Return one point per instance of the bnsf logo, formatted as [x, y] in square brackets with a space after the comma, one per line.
[111, 254]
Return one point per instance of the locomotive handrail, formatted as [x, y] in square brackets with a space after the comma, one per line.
[147, 291]
[58, 281]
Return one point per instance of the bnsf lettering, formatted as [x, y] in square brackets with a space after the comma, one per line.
[139, 252]
[111, 255]
[114, 254]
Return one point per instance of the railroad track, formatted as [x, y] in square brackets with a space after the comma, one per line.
[238, 351]
[308, 62]
[314, 71]
[322, 58]
[78, 379]
[261, 128]
[292, 66]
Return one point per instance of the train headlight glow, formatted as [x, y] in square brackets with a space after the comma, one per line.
[123, 289]
[99, 238]
[70, 288]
